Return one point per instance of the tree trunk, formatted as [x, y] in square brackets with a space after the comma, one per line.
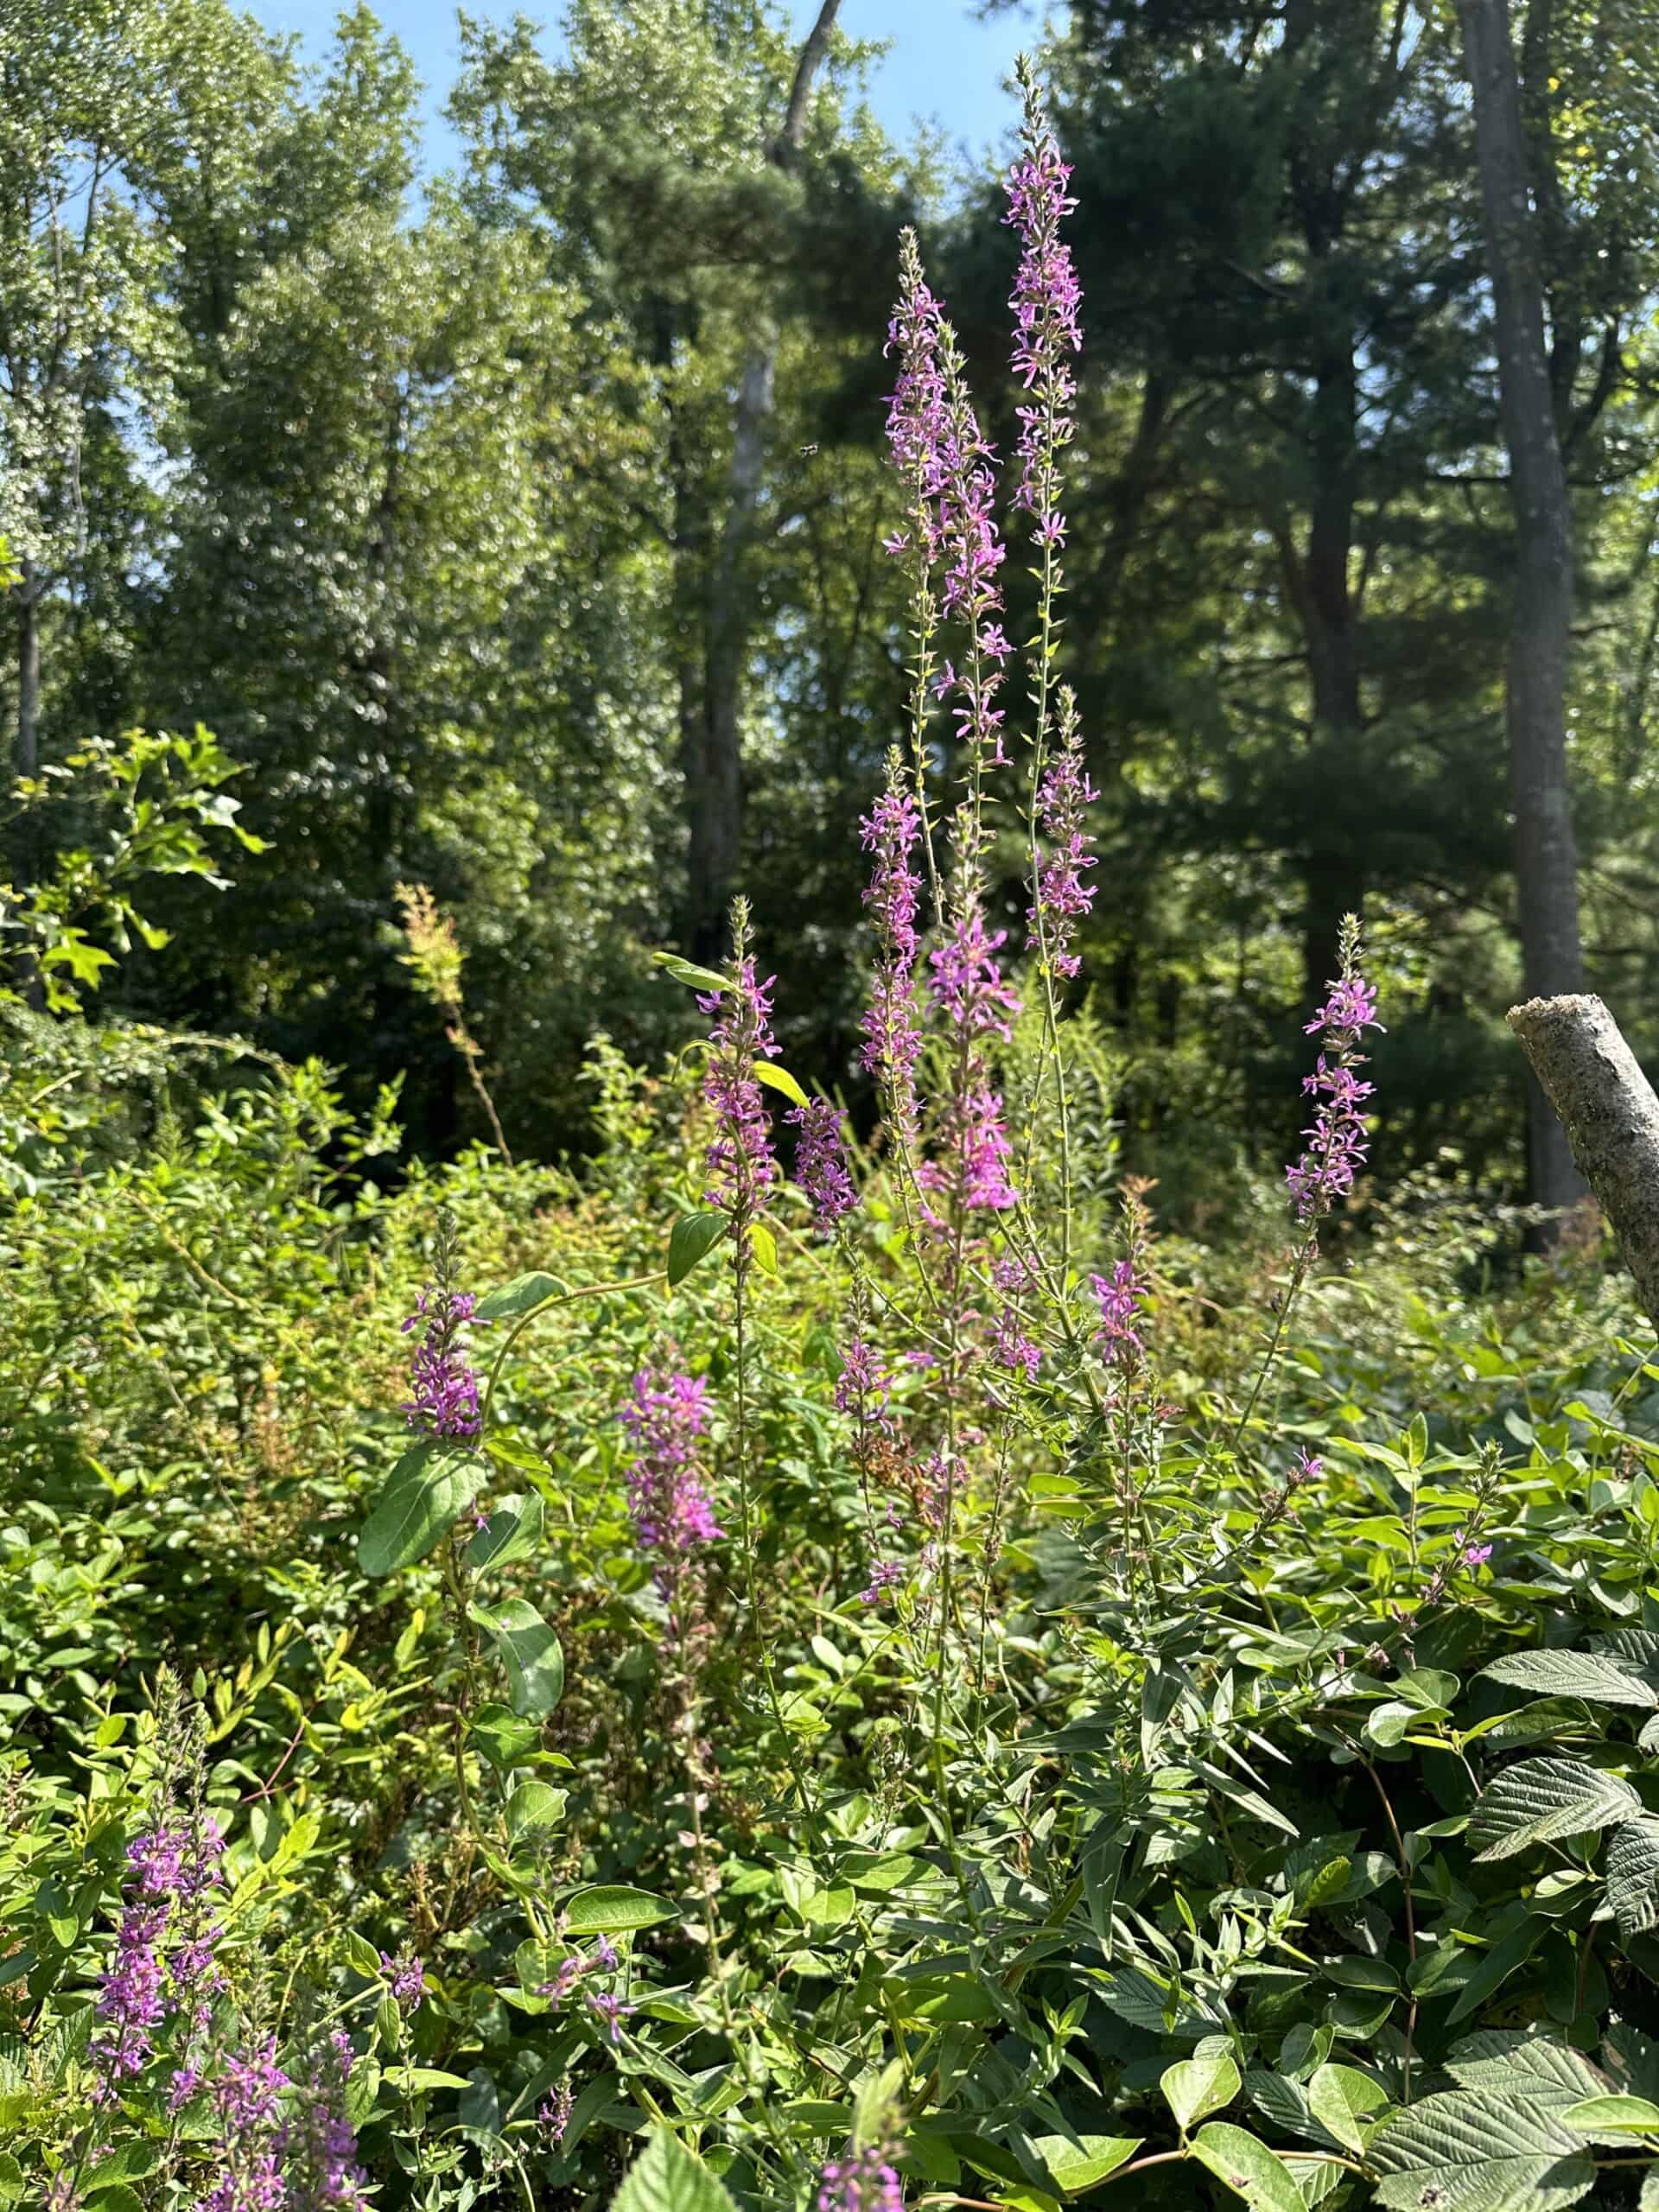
[1546, 857]
[711, 726]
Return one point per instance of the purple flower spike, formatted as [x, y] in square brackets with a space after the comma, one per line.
[1336, 1144]
[1120, 1297]
[893, 1041]
[1047, 297]
[740, 1162]
[407, 1976]
[821, 1162]
[865, 2181]
[323, 2174]
[1063, 897]
[443, 1386]
[666, 1417]
[250, 2177]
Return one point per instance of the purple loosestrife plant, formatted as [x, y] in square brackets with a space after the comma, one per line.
[741, 1167]
[442, 1403]
[319, 2145]
[864, 2180]
[246, 2097]
[406, 1976]
[1063, 897]
[821, 1163]
[893, 1037]
[1336, 1144]
[667, 1419]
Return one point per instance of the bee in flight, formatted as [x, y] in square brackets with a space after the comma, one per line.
[807, 452]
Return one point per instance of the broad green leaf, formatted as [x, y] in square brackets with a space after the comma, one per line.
[529, 1652]
[1244, 2162]
[1541, 1799]
[1495, 1967]
[429, 1490]
[1590, 1675]
[1078, 2162]
[609, 1911]
[363, 1956]
[693, 1237]
[1612, 2116]
[1341, 2098]
[11, 2179]
[1479, 2149]
[1633, 1877]
[1193, 2088]
[512, 1532]
[831, 1907]
[524, 1294]
[535, 1805]
[687, 971]
[504, 1739]
[779, 1078]
[764, 1245]
[665, 2177]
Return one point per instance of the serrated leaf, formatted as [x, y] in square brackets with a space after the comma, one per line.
[1193, 2088]
[1633, 1877]
[1340, 2098]
[1246, 2166]
[1477, 2149]
[429, 1489]
[610, 1911]
[779, 1078]
[1076, 2163]
[524, 1294]
[529, 1653]
[1592, 1674]
[512, 1532]
[1541, 1799]
[693, 1237]
[665, 2177]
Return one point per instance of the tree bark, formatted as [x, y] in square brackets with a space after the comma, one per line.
[1545, 851]
[1608, 1116]
[711, 726]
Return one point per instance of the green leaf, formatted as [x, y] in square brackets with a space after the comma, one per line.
[512, 1532]
[665, 2177]
[529, 1652]
[524, 1294]
[535, 1805]
[764, 1245]
[687, 971]
[504, 1739]
[693, 1237]
[363, 1956]
[1193, 2088]
[430, 1488]
[1340, 2098]
[1633, 1877]
[1248, 2167]
[11, 2179]
[779, 1078]
[607, 1911]
[1496, 1966]
[1541, 1799]
[1479, 2149]
[1078, 2162]
[1590, 1675]
[1612, 2116]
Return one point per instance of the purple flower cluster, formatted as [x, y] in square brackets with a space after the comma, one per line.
[320, 2146]
[407, 1977]
[666, 1417]
[1013, 1349]
[1336, 1144]
[740, 1162]
[443, 1385]
[245, 2096]
[821, 1162]
[1120, 1297]
[968, 988]
[553, 2115]
[163, 1946]
[1045, 301]
[893, 1041]
[1063, 897]
[865, 2181]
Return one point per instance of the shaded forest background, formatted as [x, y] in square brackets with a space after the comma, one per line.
[520, 531]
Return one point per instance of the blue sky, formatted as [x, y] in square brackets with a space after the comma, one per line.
[945, 65]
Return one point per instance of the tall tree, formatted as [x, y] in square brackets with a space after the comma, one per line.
[1546, 851]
